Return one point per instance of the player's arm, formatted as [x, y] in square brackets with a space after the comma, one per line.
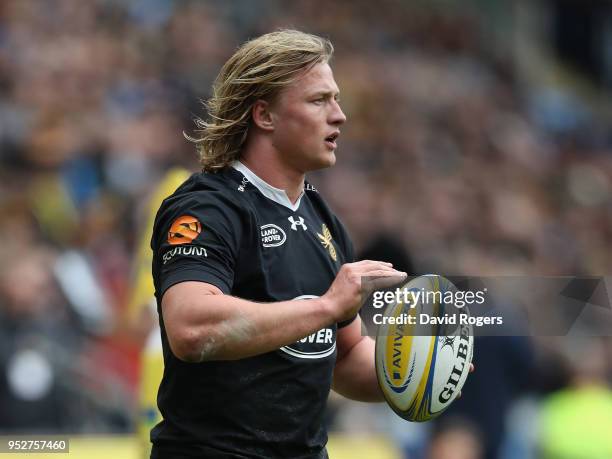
[355, 373]
[202, 323]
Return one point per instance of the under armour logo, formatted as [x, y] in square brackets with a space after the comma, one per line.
[295, 224]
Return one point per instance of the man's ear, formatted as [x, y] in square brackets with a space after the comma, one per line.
[262, 116]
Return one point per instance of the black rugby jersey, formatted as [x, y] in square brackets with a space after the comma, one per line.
[238, 233]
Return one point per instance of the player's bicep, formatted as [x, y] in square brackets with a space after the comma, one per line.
[184, 310]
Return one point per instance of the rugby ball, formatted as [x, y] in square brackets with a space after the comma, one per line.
[422, 360]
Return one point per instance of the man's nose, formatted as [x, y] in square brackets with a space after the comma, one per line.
[337, 116]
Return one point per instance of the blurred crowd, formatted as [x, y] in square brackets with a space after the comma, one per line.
[447, 153]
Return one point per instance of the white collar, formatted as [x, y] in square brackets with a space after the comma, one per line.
[275, 194]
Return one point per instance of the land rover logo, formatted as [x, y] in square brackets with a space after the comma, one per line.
[272, 235]
[318, 345]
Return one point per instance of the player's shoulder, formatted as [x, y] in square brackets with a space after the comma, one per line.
[319, 203]
[323, 209]
[210, 188]
[211, 195]
[199, 182]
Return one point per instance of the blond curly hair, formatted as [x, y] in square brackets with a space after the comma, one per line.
[258, 70]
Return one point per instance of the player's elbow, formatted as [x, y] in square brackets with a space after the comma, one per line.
[192, 345]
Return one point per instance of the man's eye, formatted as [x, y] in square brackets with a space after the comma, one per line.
[319, 101]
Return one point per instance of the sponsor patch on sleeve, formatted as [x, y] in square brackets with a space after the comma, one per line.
[184, 230]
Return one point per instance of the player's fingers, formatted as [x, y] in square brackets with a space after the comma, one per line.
[364, 263]
[472, 368]
[383, 280]
[375, 269]
[382, 272]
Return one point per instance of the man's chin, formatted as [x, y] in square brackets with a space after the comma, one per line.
[320, 162]
[328, 160]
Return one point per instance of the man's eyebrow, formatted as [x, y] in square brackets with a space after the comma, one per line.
[325, 93]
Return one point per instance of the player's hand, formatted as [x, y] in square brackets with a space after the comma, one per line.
[355, 282]
[472, 368]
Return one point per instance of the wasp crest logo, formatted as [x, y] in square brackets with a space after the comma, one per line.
[184, 230]
[326, 240]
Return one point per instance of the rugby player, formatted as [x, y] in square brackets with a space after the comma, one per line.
[257, 289]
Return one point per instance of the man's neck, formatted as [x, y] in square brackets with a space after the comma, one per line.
[275, 173]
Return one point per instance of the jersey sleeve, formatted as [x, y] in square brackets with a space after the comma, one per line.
[197, 238]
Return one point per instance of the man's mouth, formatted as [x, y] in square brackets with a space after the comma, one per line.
[330, 140]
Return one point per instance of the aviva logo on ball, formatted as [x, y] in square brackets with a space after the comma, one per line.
[397, 362]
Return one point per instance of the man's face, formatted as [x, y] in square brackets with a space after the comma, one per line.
[307, 119]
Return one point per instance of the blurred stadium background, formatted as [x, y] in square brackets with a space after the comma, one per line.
[479, 142]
